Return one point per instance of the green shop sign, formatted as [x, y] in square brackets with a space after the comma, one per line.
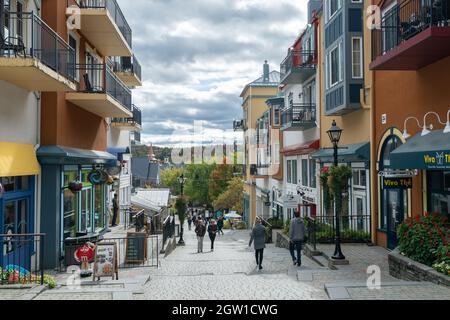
[397, 183]
[437, 160]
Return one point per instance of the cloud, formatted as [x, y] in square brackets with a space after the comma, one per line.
[197, 56]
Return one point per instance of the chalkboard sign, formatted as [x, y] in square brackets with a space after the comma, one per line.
[136, 248]
[105, 263]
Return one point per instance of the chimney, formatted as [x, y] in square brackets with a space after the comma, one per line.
[266, 72]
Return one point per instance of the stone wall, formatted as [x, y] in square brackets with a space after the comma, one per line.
[404, 268]
[281, 240]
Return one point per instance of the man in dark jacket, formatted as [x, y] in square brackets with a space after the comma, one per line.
[220, 225]
[297, 237]
[200, 230]
[115, 210]
[212, 231]
[258, 236]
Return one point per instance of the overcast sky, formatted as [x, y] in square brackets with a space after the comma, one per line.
[197, 55]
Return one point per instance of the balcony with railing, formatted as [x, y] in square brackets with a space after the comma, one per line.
[101, 92]
[103, 24]
[131, 124]
[301, 116]
[412, 35]
[33, 56]
[136, 136]
[298, 66]
[128, 69]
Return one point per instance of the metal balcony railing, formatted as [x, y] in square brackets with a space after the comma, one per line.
[114, 10]
[136, 119]
[137, 136]
[298, 59]
[298, 115]
[129, 65]
[24, 34]
[406, 20]
[96, 81]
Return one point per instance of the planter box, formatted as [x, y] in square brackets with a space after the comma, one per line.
[404, 268]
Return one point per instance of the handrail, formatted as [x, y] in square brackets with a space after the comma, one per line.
[113, 8]
[30, 35]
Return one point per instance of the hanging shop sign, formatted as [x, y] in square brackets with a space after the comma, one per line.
[397, 183]
[98, 177]
[105, 263]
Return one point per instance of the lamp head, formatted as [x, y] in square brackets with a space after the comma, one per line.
[406, 135]
[334, 133]
[447, 128]
[426, 130]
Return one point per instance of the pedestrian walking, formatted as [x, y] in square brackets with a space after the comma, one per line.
[194, 220]
[258, 237]
[297, 237]
[115, 210]
[189, 220]
[220, 225]
[200, 230]
[212, 231]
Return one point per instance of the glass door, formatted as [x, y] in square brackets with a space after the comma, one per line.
[16, 250]
[395, 209]
[86, 211]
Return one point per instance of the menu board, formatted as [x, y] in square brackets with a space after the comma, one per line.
[105, 263]
[136, 248]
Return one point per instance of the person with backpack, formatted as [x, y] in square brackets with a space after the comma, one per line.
[200, 230]
[297, 237]
[212, 231]
[258, 237]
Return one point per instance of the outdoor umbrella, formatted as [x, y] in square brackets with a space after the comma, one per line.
[232, 216]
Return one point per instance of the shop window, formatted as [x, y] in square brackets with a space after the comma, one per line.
[86, 198]
[70, 213]
[14, 184]
[16, 216]
[312, 174]
[438, 191]
[305, 172]
[99, 207]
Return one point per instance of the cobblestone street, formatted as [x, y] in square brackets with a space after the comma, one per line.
[230, 273]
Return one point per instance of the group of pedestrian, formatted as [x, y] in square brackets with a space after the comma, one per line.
[297, 233]
[205, 224]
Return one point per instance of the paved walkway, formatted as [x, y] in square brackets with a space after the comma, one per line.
[230, 273]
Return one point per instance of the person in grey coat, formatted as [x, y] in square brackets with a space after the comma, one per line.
[297, 237]
[258, 237]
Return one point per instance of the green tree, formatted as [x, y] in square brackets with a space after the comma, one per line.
[219, 179]
[233, 197]
[196, 187]
[169, 179]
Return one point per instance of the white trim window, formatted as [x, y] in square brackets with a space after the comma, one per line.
[334, 66]
[333, 7]
[357, 57]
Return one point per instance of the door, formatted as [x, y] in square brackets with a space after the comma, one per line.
[16, 250]
[395, 211]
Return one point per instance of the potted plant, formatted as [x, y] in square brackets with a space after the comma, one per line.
[75, 186]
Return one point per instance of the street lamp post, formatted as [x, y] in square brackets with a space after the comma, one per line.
[182, 181]
[335, 135]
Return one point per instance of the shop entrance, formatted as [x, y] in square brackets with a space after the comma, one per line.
[395, 212]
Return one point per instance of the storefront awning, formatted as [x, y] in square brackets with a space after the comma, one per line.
[18, 160]
[72, 156]
[359, 152]
[430, 152]
[301, 149]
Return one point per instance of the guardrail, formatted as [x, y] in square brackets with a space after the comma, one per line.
[136, 119]
[128, 64]
[28, 35]
[96, 81]
[406, 20]
[21, 258]
[299, 114]
[298, 59]
[114, 10]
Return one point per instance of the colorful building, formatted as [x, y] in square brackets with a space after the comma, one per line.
[254, 97]
[410, 106]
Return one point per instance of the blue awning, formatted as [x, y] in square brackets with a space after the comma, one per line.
[359, 152]
[72, 156]
[119, 152]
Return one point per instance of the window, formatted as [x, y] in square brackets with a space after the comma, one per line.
[70, 204]
[438, 191]
[305, 172]
[312, 174]
[99, 207]
[333, 66]
[333, 7]
[357, 65]
[276, 116]
[292, 171]
[359, 178]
